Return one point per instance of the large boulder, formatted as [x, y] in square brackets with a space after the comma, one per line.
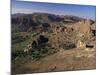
[80, 44]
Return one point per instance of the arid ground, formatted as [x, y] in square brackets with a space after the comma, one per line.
[44, 42]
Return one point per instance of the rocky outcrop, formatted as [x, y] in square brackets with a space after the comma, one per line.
[80, 44]
[54, 32]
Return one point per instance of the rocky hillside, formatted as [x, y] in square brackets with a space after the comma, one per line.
[39, 35]
[30, 22]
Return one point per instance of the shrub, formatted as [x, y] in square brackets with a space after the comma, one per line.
[69, 45]
[17, 38]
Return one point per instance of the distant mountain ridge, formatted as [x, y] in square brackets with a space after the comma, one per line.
[24, 22]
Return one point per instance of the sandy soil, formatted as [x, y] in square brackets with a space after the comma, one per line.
[75, 59]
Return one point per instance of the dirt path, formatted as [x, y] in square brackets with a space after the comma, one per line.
[74, 59]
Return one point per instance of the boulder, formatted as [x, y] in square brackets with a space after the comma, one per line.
[80, 44]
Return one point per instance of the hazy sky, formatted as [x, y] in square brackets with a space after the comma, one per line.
[85, 11]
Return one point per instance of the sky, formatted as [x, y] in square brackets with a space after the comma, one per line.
[84, 11]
